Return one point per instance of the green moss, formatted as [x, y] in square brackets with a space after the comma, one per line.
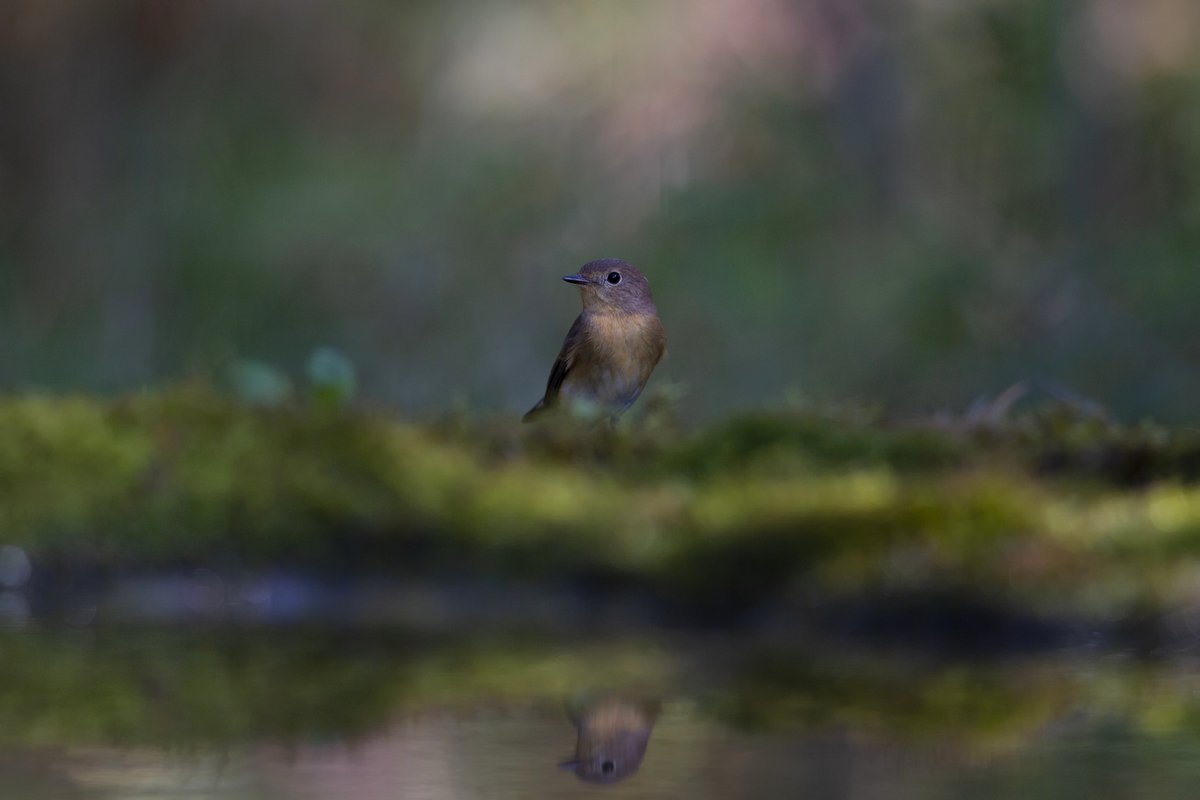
[1033, 512]
[821, 442]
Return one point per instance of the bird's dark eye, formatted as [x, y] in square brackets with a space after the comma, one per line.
[614, 278]
[607, 767]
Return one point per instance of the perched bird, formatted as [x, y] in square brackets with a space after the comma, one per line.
[613, 346]
[613, 731]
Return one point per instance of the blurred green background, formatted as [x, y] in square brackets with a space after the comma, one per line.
[906, 202]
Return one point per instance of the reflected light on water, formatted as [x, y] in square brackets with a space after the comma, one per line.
[253, 713]
[495, 754]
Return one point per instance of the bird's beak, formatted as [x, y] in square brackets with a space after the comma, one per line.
[582, 281]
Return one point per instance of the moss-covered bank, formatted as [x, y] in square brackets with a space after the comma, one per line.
[1049, 513]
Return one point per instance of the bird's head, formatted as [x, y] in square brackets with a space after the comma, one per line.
[612, 285]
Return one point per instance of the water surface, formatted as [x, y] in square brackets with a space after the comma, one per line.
[251, 713]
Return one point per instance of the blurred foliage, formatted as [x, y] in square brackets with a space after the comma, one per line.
[913, 202]
[1050, 511]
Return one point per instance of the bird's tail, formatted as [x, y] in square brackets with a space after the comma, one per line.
[532, 413]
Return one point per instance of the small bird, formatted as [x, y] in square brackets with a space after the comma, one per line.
[612, 347]
[612, 733]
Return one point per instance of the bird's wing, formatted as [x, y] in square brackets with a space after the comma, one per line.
[566, 358]
[562, 365]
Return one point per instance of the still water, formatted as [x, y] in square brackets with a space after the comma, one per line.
[252, 713]
[513, 755]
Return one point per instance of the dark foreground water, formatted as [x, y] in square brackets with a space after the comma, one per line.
[490, 755]
[248, 712]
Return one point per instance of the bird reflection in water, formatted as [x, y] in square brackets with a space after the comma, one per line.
[613, 732]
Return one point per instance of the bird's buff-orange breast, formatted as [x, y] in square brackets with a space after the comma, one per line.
[617, 353]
